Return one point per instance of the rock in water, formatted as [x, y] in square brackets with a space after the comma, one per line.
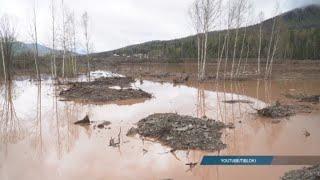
[84, 121]
[104, 124]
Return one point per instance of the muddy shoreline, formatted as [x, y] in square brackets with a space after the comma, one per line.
[163, 72]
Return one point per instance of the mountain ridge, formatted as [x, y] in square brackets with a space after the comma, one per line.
[298, 19]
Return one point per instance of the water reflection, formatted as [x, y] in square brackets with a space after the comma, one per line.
[61, 148]
[11, 130]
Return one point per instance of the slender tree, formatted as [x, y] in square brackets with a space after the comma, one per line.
[261, 18]
[204, 14]
[53, 52]
[85, 21]
[7, 39]
[35, 40]
[240, 8]
[271, 42]
[64, 46]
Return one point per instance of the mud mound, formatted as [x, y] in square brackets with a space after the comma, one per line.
[182, 132]
[99, 91]
[279, 111]
[107, 81]
[309, 173]
[276, 111]
[101, 94]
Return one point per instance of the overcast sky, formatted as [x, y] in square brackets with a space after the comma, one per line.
[118, 23]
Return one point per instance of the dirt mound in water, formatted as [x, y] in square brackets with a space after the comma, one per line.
[182, 132]
[307, 173]
[107, 81]
[279, 110]
[99, 91]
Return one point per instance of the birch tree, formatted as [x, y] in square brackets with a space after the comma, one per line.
[261, 18]
[85, 21]
[240, 8]
[35, 40]
[7, 38]
[63, 38]
[53, 52]
[204, 14]
[272, 45]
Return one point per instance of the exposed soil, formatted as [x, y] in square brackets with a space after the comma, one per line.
[279, 110]
[99, 91]
[169, 72]
[108, 81]
[307, 173]
[182, 132]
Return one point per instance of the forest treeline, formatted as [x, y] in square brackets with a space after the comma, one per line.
[299, 39]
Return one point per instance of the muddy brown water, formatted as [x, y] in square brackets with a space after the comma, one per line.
[39, 140]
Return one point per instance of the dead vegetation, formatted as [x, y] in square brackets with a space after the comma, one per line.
[304, 97]
[281, 110]
[307, 173]
[181, 132]
[99, 91]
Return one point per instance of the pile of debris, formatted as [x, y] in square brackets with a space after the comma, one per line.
[100, 91]
[279, 110]
[182, 132]
[307, 173]
[304, 97]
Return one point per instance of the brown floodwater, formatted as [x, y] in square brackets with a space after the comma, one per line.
[39, 140]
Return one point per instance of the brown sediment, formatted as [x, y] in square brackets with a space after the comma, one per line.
[110, 81]
[99, 91]
[182, 132]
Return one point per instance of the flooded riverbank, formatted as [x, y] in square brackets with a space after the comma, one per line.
[40, 141]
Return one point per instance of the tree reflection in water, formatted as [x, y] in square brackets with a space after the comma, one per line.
[10, 128]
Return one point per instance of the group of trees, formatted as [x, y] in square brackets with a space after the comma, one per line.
[245, 37]
[64, 41]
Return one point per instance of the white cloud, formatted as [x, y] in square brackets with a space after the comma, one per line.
[117, 23]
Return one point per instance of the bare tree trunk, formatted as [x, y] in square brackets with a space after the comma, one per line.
[227, 56]
[85, 20]
[54, 71]
[259, 51]
[199, 56]
[247, 56]
[203, 72]
[269, 49]
[234, 52]
[3, 61]
[63, 39]
[220, 57]
[36, 53]
[273, 54]
[241, 51]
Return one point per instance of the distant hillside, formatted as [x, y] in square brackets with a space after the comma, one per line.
[300, 39]
[24, 48]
